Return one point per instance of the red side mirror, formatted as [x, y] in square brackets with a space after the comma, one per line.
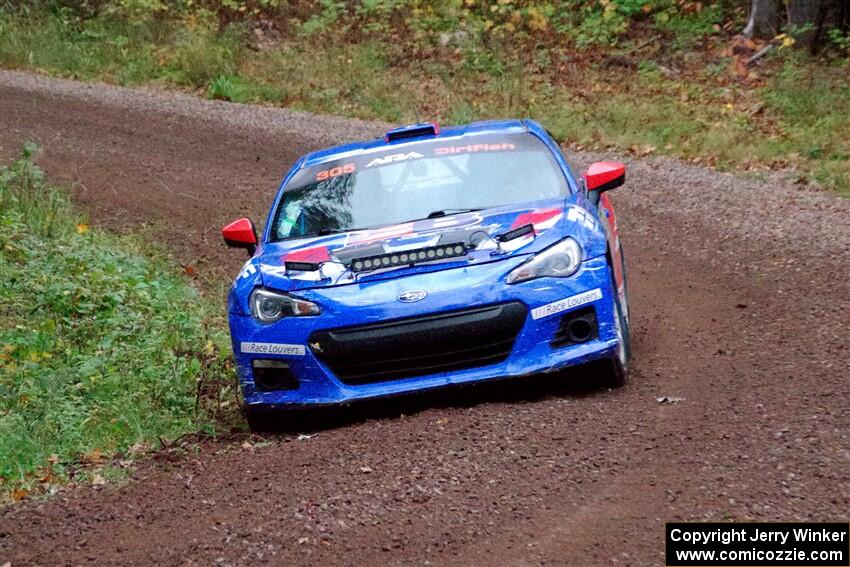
[241, 234]
[605, 175]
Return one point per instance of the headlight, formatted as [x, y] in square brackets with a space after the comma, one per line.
[558, 261]
[269, 306]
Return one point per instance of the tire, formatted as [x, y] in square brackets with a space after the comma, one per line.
[626, 312]
[615, 370]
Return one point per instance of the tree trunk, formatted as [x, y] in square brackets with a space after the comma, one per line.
[808, 20]
[766, 19]
[816, 17]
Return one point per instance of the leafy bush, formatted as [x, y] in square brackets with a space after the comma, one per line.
[101, 345]
[200, 55]
[596, 27]
[840, 40]
[326, 16]
[686, 28]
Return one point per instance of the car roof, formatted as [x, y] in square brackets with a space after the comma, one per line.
[357, 148]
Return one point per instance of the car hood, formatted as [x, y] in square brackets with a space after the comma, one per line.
[551, 219]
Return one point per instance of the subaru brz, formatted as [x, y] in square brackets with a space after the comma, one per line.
[427, 258]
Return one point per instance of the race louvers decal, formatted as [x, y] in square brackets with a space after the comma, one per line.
[582, 216]
[272, 348]
[565, 304]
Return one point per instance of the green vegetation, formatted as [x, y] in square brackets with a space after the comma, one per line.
[647, 76]
[103, 346]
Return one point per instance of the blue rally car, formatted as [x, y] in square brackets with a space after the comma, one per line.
[428, 258]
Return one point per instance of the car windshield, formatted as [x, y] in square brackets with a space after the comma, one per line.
[417, 180]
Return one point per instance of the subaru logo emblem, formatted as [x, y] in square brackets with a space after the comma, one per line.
[412, 296]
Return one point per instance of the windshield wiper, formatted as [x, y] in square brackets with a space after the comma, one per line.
[444, 212]
[324, 232]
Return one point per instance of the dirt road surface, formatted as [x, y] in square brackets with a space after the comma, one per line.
[741, 306]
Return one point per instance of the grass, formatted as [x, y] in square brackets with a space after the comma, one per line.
[813, 110]
[798, 120]
[104, 345]
[127, 52]
[793, 114]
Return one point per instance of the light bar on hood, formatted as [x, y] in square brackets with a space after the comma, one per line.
[408, 257]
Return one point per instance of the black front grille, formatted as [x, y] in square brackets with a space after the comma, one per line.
[419, 346]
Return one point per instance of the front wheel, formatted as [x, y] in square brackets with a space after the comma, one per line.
[615, 370]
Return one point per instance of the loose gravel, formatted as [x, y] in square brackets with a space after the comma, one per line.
[739, 293]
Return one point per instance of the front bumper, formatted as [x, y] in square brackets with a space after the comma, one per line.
[532, 351]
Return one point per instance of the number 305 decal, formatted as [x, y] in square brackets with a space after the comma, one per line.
[336, 171]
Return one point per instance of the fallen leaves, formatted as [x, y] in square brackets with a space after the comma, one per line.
[138, 448]
[743, 52]
[785, 40]
[740, 45]
[93, 457]
[46, 475]
[642, 150]
[755, 109]
[18, 494]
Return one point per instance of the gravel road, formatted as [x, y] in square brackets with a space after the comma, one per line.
[741, 306]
